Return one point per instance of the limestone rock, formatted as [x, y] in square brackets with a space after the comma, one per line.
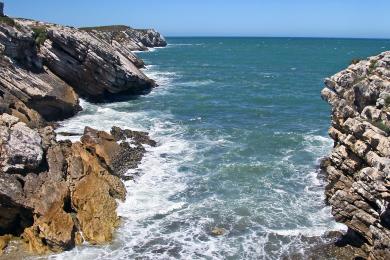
[93, 67]
[20, 146]
[45, 67]
[358, 168]
[51, 192]
[26, 79]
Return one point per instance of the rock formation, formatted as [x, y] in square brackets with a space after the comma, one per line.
[46, 67]
[358, 169]
[1, 9]
[57, 194]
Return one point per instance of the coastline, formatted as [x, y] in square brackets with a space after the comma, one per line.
[330, 249]
[61, 222]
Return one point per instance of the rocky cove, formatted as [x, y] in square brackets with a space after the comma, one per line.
[57, 194]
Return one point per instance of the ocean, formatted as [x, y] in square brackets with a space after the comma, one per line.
[241, 128]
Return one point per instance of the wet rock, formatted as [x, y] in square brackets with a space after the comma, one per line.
[359, 166]
[121, 150]
[217, 231]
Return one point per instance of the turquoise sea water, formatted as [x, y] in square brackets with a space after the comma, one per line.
[241, 128]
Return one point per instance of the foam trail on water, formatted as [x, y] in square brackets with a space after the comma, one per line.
[265, 206]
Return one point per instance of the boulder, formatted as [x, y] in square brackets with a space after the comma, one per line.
[20, 146]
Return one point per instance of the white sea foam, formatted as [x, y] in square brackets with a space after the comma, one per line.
[159, 222]
[196, 83]
[185, 44]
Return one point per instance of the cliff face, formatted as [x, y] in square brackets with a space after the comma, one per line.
[46, 67]
[55, 195]
[358, 169]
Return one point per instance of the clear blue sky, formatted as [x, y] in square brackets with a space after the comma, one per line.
[322, 18]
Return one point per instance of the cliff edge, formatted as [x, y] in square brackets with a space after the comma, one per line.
[58, 194]
[358, 169]
[47, 67]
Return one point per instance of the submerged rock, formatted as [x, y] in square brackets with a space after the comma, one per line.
[217, 231]
[358, 169]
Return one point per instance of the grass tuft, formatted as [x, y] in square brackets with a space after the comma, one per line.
[40, 35]
[355, 61]
[110, 28]
[382, 126]
[372, 66]
[8, 21]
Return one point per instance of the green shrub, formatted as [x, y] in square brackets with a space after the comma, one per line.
[372, 66]
[387, 101]
[40, 35]
[7, 20]
[382, 126]
[109, 28]
[355, 61]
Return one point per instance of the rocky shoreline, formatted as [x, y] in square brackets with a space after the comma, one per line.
[58, 194]
[358, 169]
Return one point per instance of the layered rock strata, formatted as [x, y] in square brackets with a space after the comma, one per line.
[358, 169]
[58, 194]
[46, 67]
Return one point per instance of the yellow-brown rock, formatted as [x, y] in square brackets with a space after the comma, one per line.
[4, 240]
[96, 209]
[70, 196]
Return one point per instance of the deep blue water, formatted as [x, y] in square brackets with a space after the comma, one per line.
[241, 127]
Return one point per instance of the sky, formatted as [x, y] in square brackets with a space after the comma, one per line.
[276, 18]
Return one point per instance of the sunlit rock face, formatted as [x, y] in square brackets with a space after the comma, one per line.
[358, 169]
[58, 194]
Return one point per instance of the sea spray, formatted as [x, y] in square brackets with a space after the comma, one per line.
[239, 143]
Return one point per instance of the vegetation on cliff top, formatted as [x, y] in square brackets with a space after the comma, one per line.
[40, 35]
[109, 28]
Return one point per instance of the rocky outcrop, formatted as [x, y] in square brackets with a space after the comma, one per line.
[24, 79]
[46, 67]
[358, 169]
[132, 39]
[58, 194]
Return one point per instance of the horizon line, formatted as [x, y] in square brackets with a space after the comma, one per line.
[294, 37]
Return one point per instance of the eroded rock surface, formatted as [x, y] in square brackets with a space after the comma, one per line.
[358, 169]
[56, 194]
[53, 192]
[46, 67]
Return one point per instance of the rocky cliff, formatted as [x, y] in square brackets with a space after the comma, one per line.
[358, 169]
[46, 67]
[56, 195]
